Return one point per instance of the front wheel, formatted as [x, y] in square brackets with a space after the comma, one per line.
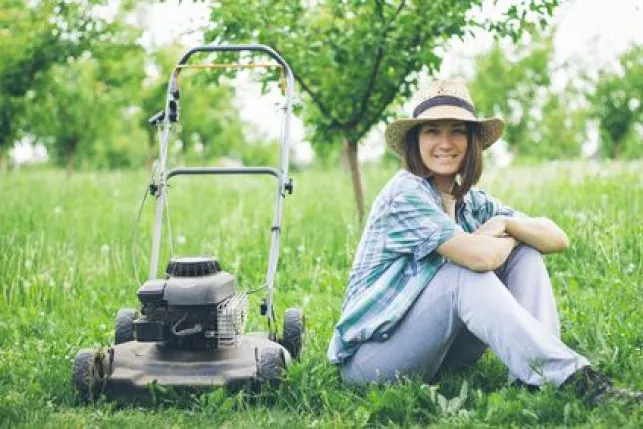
[88, 374]
[272, 365]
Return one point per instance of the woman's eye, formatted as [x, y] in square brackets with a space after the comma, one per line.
[430, 131]
[460, 131]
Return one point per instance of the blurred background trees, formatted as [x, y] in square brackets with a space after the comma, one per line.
[80, 83]
[617, 103]
[541, 123]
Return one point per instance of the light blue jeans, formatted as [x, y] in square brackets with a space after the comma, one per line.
[461, 312]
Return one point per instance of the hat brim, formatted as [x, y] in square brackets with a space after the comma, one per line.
[489, 129]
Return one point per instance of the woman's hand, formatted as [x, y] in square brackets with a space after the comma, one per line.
[494, 227]
[541, 233]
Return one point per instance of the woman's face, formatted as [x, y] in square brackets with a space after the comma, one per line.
[443, 144]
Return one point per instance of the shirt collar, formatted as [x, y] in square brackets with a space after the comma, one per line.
[435, 193]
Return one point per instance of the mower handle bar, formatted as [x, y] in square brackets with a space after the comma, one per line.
[236, 48]
[192, 171]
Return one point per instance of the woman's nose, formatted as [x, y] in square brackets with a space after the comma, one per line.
[445, 140]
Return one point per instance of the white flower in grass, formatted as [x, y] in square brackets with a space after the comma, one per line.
[629, 269]
[28, 264]
[104, 249]
[581, 217]
[301, 248]
[305, 301]
[102, 327]
[180, 239]
[58, 210]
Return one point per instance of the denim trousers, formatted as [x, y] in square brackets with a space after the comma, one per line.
[460, 313]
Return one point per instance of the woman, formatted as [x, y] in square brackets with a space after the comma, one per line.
[444, 271]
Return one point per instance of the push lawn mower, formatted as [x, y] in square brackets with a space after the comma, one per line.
[189, 332]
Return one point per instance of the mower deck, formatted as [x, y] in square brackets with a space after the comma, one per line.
[136, 365]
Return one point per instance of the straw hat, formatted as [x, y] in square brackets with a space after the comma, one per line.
[443, 99]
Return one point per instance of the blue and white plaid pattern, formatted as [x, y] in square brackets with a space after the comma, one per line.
[396, 257]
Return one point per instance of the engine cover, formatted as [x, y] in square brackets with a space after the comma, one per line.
[206, 290]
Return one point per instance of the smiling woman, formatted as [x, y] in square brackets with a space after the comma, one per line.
[443, 271]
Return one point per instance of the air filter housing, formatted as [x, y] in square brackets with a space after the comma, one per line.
[199, 266]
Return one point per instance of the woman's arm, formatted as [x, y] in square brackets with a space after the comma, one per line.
[478, 252]
[541, 233]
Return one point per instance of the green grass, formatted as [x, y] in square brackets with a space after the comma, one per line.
[66, 268]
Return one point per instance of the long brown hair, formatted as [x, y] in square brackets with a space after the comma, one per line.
[470, 169]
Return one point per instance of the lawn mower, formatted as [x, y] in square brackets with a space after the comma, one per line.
[189, 329]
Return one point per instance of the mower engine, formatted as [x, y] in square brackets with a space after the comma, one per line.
[196, 307]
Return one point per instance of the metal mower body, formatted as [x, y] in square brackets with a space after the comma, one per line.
[189, 328]
[132, 369]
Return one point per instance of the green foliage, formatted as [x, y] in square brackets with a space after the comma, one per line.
[34, 36]
[353, 59]
[516, 85]
[61, 287]
[77, 109]
[617, 103]
[77, 83]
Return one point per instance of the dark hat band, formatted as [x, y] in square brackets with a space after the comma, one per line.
[443, 100]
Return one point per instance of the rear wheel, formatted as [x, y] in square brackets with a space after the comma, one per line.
[124, 329]
[88, 374]
[271, 365]
[293, 331]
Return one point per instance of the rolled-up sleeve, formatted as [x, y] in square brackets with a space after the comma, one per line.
[417, 225]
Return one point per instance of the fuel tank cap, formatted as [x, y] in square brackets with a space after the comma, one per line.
[192, 266]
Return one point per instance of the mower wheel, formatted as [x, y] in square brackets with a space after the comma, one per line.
[271, 365]
[88, 374]
[124, 330]
[293, 331]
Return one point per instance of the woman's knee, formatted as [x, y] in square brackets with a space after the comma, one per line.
[466, 276]
[475, 285]
[525, 254]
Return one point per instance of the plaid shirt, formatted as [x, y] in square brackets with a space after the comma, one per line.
[396, 257]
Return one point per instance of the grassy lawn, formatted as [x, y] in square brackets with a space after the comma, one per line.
[66, 268]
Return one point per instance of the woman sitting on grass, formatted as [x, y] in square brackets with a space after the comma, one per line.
[444, 271]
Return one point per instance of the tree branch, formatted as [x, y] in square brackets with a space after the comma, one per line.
[316, 99]
[376, 66]
[388, 99]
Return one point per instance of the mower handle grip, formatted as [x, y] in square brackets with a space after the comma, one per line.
[236, 48]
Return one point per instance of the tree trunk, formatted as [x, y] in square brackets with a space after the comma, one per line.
[617, 149]
[351, 155]
[71, 159]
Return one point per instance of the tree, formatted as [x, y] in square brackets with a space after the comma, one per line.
[354, 59]
[617, 103]
[515, 84]
[75, 108]
[34, 37]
